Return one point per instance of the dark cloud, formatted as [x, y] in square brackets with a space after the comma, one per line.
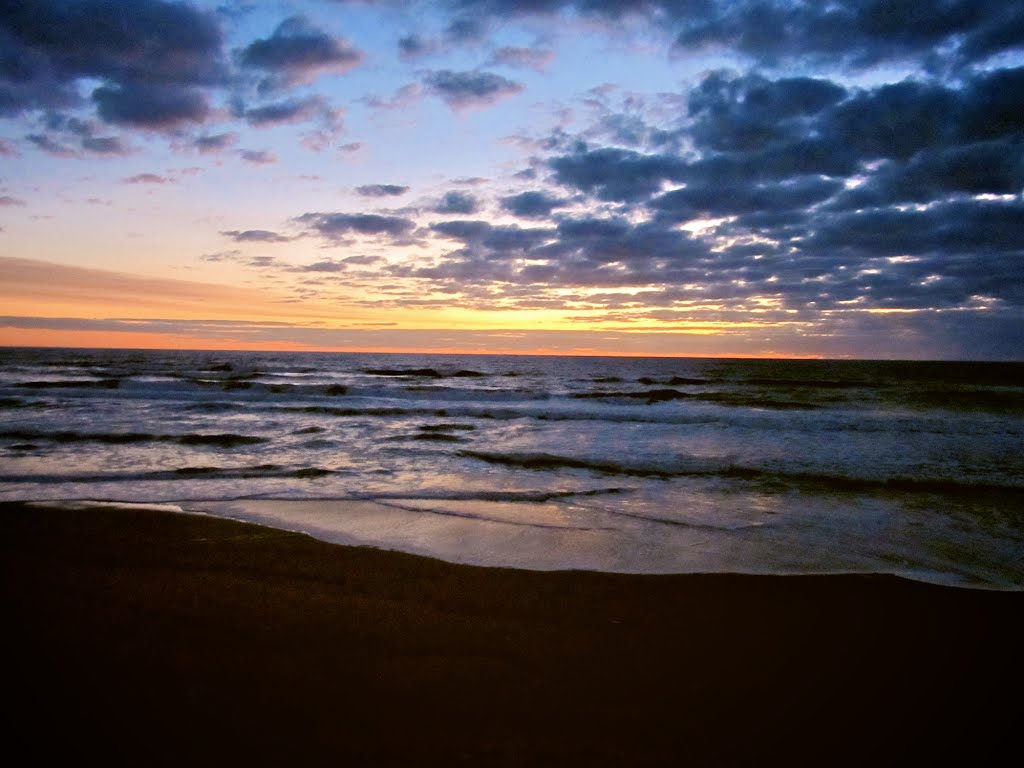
[69, 136]
[797, 194]
[7, 200]
[105, 145]
[850, 33]
[470, 89]
[151, 107]
[747, 112]
[612, 173]
[857, 33]
[255, 236]
[381, 190]
[148, 178]
[717, 199]
[538, 59]
[51, 44]
[531, 205]
[297, 52]
[258, 156]
[216, 142]
[465, 30]
[288, 111]
[49, 145]
[336, 225]
[324, 266]
[402, 98]
[456, 202]
[413, 46]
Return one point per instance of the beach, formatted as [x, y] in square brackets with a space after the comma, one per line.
[157, 638]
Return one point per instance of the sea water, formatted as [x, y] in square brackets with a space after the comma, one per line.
[621, 464]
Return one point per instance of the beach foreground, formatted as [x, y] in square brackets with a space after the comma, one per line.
[154, 638]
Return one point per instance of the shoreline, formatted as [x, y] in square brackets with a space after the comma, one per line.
[492, 534]
[155, 637]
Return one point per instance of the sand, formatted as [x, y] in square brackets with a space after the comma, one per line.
[153, 638]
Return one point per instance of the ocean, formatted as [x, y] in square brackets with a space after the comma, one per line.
[645, 465]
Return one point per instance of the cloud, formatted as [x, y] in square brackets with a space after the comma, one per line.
[8, 201]
[215, 142]
[128, 45]
[612, 173]
[326, 265]
[466, 30]
[335, 226]
[257, 156]
[69, 136]
[288, 111]
[403, 97]
[381, 190]
[297, 52]
[470, 89]
[856, 34]
[147, 178]
[255, 236]
[149, 106]
[456, 202]
[50, 146]
[105, 145]
[532, 205]
[414, 46]
[522, 58]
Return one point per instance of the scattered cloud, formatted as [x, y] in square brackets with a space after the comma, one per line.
[381, 190]
[258, 156]
[470, 89]
[216, 142]
[538, 59]
[402, 98]
[334, 226]
[414, 46]
[288, 111]
[298, 52]
[255, 236]
[531, 205]
[148, 178]
[456, 202]
[150, 106]
[129, 46]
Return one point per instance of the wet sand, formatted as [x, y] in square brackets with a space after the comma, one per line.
[151, 638]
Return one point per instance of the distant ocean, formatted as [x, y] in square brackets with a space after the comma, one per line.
[620, 464]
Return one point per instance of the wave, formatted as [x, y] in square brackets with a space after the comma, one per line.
[218, 440]
[671, 381]
[719, 398]
[19, 402]
[262, 471]
[710, 468]
[423, 373]
[491, 519]
[651, 396]
[548, 461]
[70, 384]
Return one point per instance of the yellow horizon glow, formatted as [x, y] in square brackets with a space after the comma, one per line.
[79, 339]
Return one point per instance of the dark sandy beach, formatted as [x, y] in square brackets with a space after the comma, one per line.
[147, 638]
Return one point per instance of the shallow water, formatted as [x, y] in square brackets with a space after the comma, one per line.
[629, 464]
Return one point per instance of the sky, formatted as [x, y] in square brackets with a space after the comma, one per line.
[643, 177]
